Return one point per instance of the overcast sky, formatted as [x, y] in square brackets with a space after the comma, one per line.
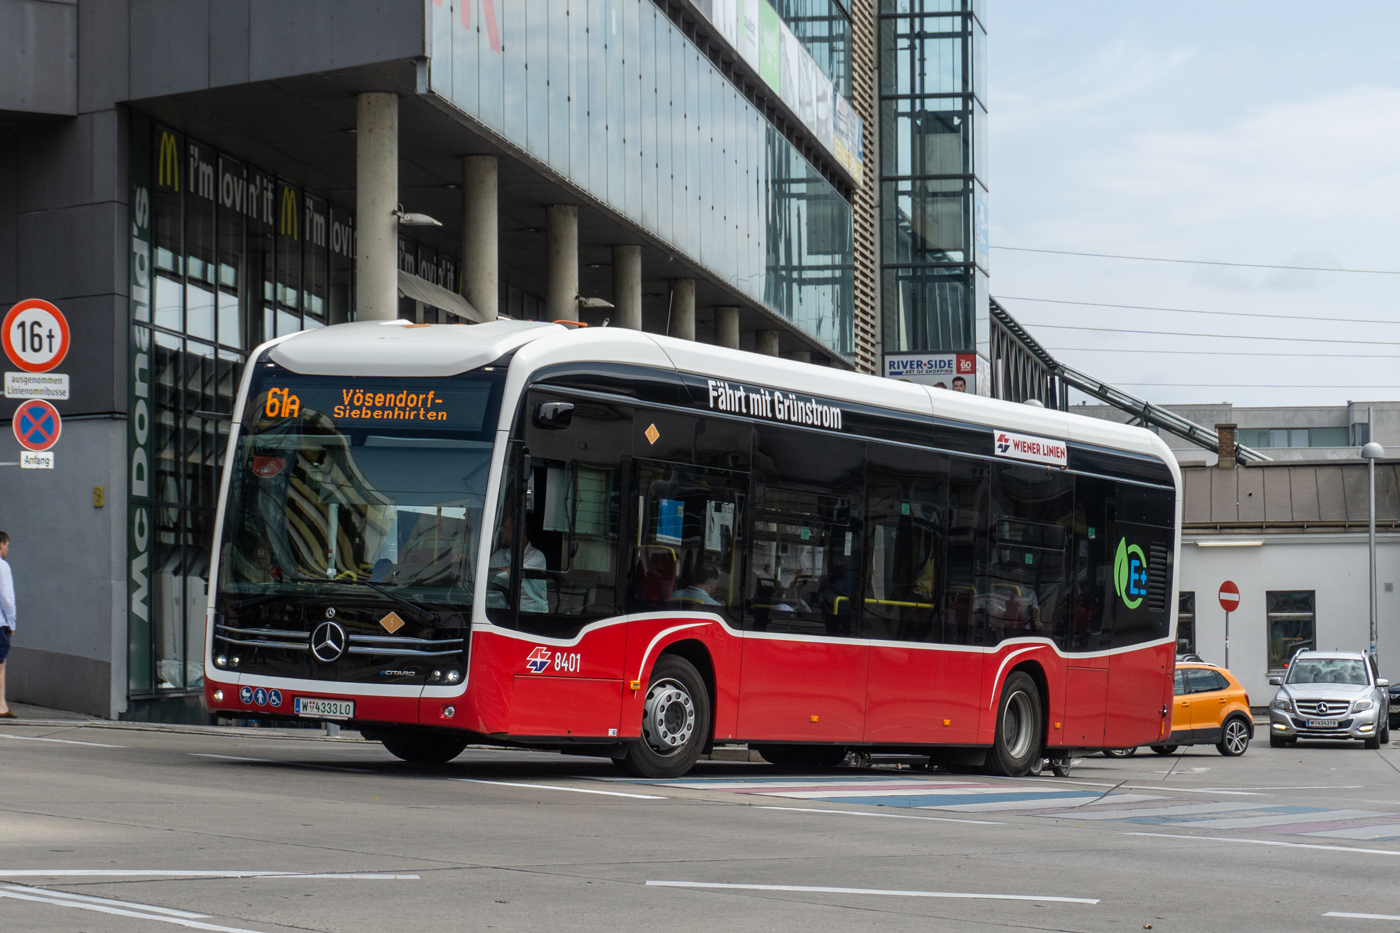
[1247, 132]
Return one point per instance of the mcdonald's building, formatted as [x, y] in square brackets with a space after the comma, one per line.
[186, 181]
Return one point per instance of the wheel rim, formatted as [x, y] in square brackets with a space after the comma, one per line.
[1236, 737]
[668, 717]
[1017, 729]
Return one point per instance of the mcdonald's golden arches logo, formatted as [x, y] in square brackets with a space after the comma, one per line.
[168, 161]
[287, 224]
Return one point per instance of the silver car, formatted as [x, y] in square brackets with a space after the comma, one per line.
[1330, 695]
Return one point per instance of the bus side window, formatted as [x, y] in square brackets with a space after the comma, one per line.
[1028, 571]
[965, 597]
[1095, 514]
[805, 556]
[906, 518]
[570, 504]
[689, 540]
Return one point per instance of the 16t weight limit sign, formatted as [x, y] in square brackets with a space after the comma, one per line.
[35, 335]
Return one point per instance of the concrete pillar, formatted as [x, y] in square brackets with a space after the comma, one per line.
[766, 342]
[561, 260]
[480, 235]
[376, 200]
[727, 328]
[627, 287]
[802, 356]
[683, 309]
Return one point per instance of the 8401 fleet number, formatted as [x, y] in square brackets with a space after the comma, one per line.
[562, 662]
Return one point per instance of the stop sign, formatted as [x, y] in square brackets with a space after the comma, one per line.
[1229, 596]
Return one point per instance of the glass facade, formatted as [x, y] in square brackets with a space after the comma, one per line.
[824, 28]
[932, 176]
[225, 256]
[611, 95]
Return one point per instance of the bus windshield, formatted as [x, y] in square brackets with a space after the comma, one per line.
[359, 482]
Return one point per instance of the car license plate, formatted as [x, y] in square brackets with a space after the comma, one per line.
[324, 709]
[1322, 723]
[1395, 707]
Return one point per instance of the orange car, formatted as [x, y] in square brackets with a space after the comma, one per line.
[1210, 708]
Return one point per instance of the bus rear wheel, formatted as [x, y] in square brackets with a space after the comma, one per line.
[1018, 741]
[425, 751]
[802, 757]
[675, 722]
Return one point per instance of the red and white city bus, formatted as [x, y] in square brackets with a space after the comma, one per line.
[614, 543]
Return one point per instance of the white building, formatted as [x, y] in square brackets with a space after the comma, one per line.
[1322, 432]
[1292, 535]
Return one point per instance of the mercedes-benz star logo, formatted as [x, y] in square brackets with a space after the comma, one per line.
[328, 642]
[1322, 709]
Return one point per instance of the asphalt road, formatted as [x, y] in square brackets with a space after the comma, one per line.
[119, 829]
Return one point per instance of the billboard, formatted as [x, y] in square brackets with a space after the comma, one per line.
[955, 371]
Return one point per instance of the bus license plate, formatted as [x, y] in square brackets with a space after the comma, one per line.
[324, 709]
[1322, 723]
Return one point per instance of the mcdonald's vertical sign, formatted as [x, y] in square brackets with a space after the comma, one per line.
[287, 213]
[167, 160]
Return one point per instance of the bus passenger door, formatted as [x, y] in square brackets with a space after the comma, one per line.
[804, 665]
[922, 688]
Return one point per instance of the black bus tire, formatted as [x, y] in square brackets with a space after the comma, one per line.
[1165, 749]
[802, 757]
[425, 751]
[1019, 739]
[675, 722]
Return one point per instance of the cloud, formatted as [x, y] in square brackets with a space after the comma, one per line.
[1301, 164]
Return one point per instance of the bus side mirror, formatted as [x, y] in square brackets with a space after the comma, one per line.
[1275, 681]
[554, 416]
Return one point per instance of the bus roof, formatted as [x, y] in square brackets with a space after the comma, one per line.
[401, 348]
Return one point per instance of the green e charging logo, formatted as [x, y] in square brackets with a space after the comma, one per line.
[1130, 574]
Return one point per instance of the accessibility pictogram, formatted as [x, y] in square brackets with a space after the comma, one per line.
[37, 425]
[1229, 596]
[35, 335]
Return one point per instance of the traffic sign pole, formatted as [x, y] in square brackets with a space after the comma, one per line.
[1229, 597]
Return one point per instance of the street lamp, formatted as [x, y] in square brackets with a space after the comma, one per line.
[1370, 453]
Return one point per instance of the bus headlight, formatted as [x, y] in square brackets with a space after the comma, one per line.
[221, 661]
[454, 676]
[218, 696]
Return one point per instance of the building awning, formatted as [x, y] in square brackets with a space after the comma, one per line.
[420, 289]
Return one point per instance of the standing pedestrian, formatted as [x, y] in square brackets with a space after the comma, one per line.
[7, 619]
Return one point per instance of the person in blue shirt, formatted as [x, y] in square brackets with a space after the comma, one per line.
[7, 619]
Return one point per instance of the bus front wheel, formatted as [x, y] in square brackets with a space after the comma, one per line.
[675, 722]
[1019, 725]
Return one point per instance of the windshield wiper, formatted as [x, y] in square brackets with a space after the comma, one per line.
[427, 615]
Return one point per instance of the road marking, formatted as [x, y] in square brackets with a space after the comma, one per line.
[192, 873]
[1199, 790]
[138, 911]
[285, 764]
[1351, 916]
[1186, 810]
[35, 738]
[111, 902]
[576, 790]
[883, 892]
[888, 816]
[1270, 842]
